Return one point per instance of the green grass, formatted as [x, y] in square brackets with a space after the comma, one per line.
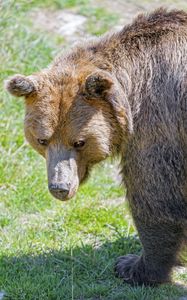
[48, 249]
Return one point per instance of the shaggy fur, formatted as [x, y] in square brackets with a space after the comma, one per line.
[124, 93]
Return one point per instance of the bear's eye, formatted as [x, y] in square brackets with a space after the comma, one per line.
[42, 142]
[79, 144]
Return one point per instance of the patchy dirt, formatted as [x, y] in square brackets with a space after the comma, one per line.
[72, 26]
[61, 22]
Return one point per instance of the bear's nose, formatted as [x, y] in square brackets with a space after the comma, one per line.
[60, 190]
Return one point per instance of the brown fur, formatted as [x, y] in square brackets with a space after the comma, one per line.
[122, 94]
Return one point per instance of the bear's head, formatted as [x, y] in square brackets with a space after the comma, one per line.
[74, 119]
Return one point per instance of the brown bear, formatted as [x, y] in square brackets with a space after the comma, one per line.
[124, 93]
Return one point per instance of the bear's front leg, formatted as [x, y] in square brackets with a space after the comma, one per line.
[161, 243]
[155, 178]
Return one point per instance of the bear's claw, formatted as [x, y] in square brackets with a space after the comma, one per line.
[125, 266]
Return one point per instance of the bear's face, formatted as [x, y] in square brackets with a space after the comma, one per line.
[70, 123]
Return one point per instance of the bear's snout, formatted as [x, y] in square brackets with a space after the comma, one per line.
[59, 191]
[63, 180]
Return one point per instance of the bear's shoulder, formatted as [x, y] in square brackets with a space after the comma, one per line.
[158, 21]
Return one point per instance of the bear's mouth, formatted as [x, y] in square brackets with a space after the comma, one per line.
[59, 191]
[64, 190]
[64, 196]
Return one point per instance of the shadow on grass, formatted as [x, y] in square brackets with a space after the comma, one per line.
[83, 273]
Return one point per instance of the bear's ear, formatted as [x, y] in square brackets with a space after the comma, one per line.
[101, 85]
[20, 85]
[97, 84]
